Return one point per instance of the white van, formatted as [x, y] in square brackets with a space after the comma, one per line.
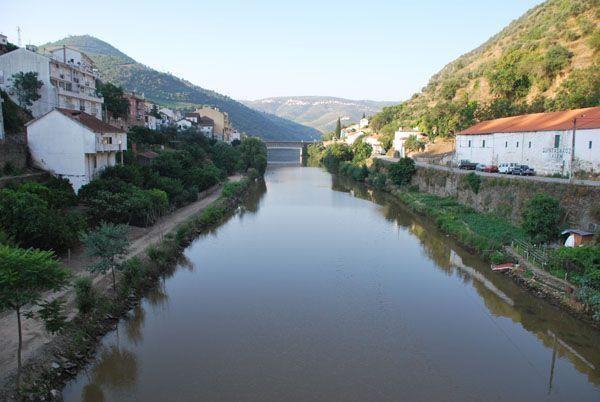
[507, 168]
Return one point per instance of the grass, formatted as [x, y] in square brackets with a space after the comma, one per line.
[484, 233]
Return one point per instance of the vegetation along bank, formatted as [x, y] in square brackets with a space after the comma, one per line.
[567, 276]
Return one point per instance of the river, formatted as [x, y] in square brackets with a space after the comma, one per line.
[319, 289]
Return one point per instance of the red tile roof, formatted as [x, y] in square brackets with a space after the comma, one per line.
[552, 121]
[91, 122]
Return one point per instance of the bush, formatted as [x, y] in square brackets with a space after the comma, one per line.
[473, 180]
[86, 297]
[336, 153]
[378, 180]
[31, 222]
[582, 263]
[401, 172]
[361, 150]
[541, 218]
[253, 154]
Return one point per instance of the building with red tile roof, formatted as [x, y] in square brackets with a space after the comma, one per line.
[544, 141]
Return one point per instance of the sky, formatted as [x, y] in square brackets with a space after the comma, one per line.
[379, 50]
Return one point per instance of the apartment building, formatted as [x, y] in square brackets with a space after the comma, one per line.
[68, 77]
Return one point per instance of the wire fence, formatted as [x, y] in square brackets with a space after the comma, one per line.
[537, 255]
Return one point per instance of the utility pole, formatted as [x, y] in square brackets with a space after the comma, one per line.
[572, 158]
[19, 36]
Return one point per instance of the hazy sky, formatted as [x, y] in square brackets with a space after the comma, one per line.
[383, 50]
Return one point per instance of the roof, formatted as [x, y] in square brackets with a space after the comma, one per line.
[587, 118]
[206, 121]
[148, 154]
[91, 122]
[576, 231]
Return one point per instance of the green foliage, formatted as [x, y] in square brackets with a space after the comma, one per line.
[580, 89]
[556, 59]
[24, 276]
[378, 180]
[361, 150]
[26, 86]
[472, 180]
[53, 316]
[32, 222]
[15, 117]
[336, 153]
[226, 157]
[541, 218]
[338, 129]
[401, 172]
[233, 189]
[509, 77]
[107, 244]
[86, 296]
[355, 171]
[253, 153]
[412, 143]
[114, 101]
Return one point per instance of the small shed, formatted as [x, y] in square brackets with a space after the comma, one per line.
[576, 237]
[145, 158]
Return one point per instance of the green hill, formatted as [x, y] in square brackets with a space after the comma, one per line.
[320, 112]
[168, 90]
[548, 59]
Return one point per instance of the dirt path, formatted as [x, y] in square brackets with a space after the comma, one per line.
[34, 335]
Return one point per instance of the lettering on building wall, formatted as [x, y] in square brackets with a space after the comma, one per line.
[556, 153]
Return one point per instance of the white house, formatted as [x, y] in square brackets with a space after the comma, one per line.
[352, 137]
[68, 77]
[400, 137]
[375, 145]
[543, 141]
[235, 135]
[364, 122]
[183, 124]
[73, 145]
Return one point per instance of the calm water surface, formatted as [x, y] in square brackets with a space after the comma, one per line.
[321, 290]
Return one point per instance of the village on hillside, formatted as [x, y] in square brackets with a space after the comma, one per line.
[67, 108]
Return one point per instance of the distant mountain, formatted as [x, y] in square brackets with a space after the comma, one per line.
[168, 90]
[320, 112]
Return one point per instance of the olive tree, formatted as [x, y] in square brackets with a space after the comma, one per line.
[26, 86]
[24, 275]
[107, 244]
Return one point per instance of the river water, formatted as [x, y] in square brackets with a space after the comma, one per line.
[318, 289]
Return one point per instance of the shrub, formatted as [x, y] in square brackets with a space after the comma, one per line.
[378, 180]
[401, 172]
[582, 263]
[473, 180]
[86, 297]
[335, 154]
[361, 150]
[253, 154]
[541, 218]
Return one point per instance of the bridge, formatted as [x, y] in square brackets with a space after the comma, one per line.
[299, 145]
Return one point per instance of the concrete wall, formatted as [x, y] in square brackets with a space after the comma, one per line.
[508, 198]
[13, 149]
[26, 61]
[536, 149]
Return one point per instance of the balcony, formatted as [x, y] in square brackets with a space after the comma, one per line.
[109, 143]
[74, 93]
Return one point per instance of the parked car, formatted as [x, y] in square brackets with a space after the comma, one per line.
[523, 170]
[507, 168]
[479, 167]
[490, 169]
[466, 165]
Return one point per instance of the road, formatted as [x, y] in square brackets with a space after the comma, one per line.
[541, 179]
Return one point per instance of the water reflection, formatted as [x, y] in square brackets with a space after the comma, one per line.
[567, 337]
[311, 294]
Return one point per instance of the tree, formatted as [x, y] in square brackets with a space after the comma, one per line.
[24, 276]
[253, 154]
[361, 150]
[114, 100]
[338, 129]
[412, 143]
[541, 218]
[108, 244]
[26, 86]
[402, 171]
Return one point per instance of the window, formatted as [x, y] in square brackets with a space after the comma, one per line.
[483, 143]
[517, 144]
[556, 141]
[529, 144]
[590, 145]
[506, 144]
[469, 143]
[95, 161]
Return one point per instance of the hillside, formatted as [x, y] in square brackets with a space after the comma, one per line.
[548, 59]
[320, 112]
[175, 92]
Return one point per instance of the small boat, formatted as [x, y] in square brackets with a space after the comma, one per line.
[503, 267]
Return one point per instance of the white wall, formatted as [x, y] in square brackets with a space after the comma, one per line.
[26, 61]
[535, 149]
[66, 148]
